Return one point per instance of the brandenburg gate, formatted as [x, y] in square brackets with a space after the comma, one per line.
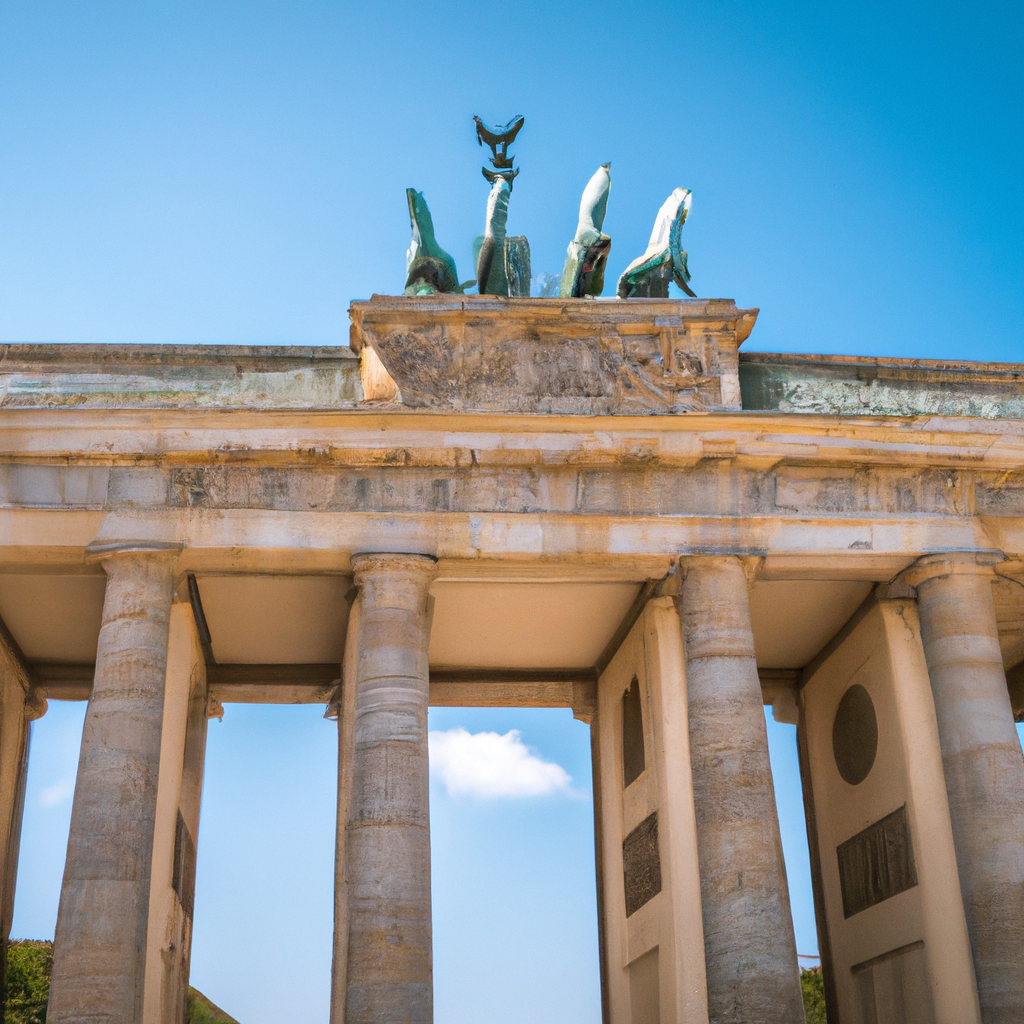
[401, 522]
[839, 538]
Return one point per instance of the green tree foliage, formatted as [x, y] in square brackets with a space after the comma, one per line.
[28, 988]
[28, 981]
[202, 1011]
[813, 986]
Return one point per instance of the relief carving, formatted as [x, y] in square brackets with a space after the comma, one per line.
[573, 356]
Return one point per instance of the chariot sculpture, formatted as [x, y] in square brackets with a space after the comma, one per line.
[502, 262]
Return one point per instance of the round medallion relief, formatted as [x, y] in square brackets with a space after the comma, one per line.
[855, 735]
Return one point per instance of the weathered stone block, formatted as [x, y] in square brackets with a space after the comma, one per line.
[862, 386]
[492, 354]
[178, 377]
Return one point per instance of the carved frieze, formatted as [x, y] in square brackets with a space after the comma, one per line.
[557, 356]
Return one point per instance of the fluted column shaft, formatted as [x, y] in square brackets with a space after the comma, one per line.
[983, 768]
[389, 979]
[100, 943]
[750, 952]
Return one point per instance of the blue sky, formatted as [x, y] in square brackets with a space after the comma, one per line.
[235, 172]
[515, 925]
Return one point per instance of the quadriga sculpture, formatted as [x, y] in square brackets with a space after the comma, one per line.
[649, 275]
[583, 273]
[428, 268]
[503, 263]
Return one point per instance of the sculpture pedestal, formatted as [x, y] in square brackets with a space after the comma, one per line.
[556, 356]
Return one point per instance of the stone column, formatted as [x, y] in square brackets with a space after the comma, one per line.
[100, 944]
[17, 708]
[750, 952]
[983, 767]
[387, 845]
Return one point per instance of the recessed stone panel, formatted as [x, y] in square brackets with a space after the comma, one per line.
[183, 878]
[633, 760]
[855, 735]
[641, 864]
[876, 864]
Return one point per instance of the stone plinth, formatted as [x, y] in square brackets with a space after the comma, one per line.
[563, 356]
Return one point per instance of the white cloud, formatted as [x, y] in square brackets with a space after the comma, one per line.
[487, 764]
[57, 793]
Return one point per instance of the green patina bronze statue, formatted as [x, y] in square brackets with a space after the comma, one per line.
[490, 273]
[503, 262]
[583, 273]
[499, 139]
[428, 268]
[664, 261]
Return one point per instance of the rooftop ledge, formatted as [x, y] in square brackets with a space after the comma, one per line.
[519, 356]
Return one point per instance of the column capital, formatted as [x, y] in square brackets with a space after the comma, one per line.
[36, 705]
[107, 550]
[749, 563]
[714, 608]
[393, 561]
[952, 563]
[395, 567]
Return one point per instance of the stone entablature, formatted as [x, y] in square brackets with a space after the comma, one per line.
[807, 494]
